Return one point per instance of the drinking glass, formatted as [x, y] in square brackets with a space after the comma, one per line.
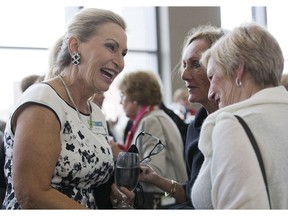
[127, 171]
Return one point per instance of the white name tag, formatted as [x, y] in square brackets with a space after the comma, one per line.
[98, 127]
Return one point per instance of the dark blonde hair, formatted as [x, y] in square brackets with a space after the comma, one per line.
[142, 87]
[208, 32]
[253, 45]
[83, 26]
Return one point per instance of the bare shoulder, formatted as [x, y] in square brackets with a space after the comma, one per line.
[37, 130]
[35, 115]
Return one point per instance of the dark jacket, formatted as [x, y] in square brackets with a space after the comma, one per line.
[193, 156]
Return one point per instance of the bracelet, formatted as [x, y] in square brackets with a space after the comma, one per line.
[172, 190]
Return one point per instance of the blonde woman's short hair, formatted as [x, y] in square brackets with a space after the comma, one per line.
[253, 45]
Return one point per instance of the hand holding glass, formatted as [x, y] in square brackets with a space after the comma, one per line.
[126, 173]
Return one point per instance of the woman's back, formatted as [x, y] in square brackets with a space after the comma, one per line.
[170, 161]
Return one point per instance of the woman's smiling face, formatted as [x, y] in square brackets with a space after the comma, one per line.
[102, 57]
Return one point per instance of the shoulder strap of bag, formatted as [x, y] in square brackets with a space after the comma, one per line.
[257, 151]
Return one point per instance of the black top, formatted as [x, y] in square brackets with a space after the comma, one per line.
[193, 156]
[182, 126]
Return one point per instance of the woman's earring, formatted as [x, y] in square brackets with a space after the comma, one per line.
[238, 83]
[76, 58]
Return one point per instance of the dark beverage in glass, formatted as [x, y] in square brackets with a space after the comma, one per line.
[126, 173]
[127, 177]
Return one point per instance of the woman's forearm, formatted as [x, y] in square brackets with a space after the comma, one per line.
[174, 189]
[51, 199]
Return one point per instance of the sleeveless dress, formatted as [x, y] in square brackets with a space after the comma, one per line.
[86, 159]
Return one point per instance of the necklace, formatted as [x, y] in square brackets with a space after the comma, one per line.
[71, 99]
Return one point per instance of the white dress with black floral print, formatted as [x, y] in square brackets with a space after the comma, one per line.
[85, 160]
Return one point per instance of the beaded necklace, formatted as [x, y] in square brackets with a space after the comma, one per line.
[71, 99]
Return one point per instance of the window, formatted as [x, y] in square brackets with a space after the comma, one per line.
[232, 16]
[276, 22]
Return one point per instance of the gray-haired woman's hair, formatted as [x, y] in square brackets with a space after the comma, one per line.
[83, 26]
[53, 69]
[253, 45]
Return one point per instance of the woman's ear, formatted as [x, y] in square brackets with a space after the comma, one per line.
[240, 71]
[73, 44]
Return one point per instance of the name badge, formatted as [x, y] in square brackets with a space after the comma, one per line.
[98, 127]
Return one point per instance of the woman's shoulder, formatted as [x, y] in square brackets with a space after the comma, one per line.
[225, 116]
[157, 115]
[42, 93]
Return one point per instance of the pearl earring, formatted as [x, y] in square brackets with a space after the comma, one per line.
[238, 83]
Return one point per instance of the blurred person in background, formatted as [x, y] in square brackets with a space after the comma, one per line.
[141, 98]
[29, 80]
[182, 106]
[284, 81]
[98, 98]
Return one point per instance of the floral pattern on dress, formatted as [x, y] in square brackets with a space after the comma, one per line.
[85, 162]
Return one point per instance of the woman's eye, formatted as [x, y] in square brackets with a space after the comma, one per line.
[111, 47]
[196, 65]
[124, 53]
[183, 65]
[210, 78]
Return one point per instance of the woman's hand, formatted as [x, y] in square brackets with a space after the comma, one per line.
[121, 195]
[147, 173]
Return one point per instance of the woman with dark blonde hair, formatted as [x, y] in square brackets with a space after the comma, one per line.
[197, 41]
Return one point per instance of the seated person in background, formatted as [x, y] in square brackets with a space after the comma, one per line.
[27, 81]
[284, 80]
[181, 105]
[2, 125]
[98, 98]
[141, 97]
[181, 125]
